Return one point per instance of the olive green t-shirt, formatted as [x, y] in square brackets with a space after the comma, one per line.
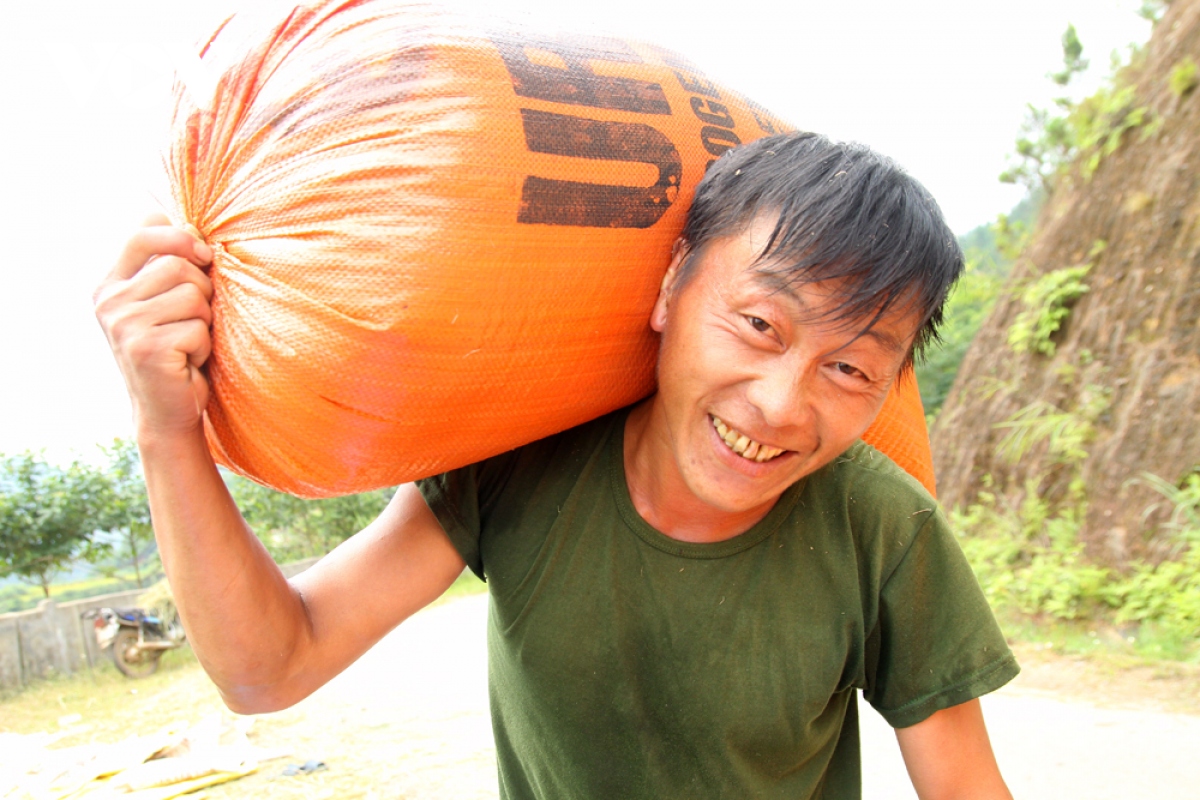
[626, 664]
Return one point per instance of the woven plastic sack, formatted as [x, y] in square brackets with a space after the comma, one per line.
[436, 240]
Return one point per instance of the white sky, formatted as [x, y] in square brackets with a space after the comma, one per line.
[939, 85]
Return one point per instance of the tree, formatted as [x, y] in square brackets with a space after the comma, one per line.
[1048, 138]
[293, 528]
[1073, 61]
[48, 515]
[126, 511]
[968, 305]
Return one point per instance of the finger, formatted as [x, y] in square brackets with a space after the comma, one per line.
[191, 337]
[200, 389]
[180, 304]
[204, 347]
[130, 305]
[164, 273]
[155, 220]
[171, 350]
[158, 240]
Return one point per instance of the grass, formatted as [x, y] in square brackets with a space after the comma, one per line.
[1131, 644]
[369, 749]
[104, 698]
[109, 701]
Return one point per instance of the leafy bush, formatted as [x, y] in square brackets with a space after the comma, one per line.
[1066, 433]
[1100, 122]
[1047, 303]
[1183, 77]
[1028, 559]
[1168, 593]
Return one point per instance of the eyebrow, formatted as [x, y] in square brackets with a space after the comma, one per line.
[780, 285]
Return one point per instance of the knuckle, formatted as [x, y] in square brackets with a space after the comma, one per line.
[194, 327]
[194, 294]
[141, 350]
[119, 326]
[104, 298]
[98, 294]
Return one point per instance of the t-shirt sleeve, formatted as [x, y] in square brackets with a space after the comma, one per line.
[461, 499]
[936, 643]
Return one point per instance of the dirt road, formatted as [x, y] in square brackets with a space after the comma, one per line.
[411, 718]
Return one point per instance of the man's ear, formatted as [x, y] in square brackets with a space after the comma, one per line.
[658, 317]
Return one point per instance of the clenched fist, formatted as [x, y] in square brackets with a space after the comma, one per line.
[155, 310]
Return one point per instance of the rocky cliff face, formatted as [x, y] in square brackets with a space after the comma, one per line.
[1125, 370]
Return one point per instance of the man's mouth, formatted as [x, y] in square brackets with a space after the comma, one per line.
[743, 445]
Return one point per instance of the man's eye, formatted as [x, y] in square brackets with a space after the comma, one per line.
[848, 369]
[759, 324]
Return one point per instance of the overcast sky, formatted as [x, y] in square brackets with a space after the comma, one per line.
[939, 85]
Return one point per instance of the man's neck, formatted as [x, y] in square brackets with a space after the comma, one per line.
[660, 495]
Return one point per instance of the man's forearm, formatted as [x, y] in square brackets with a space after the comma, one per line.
[245, 623]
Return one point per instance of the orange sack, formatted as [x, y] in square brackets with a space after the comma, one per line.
[437, 240]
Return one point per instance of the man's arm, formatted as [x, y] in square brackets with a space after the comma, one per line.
[948, 755]
[265, 642]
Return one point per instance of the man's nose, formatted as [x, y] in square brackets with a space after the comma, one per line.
[783, 397]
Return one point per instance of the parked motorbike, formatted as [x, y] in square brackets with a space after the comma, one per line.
[135, 639]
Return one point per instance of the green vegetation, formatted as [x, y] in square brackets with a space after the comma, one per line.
[1079, 133]
[1047, 303]
[969, 303]
[293, 528]
[48, 516]
[1023, 540]
[23, 596]
[103, 696]
[992, 248]
[1029, 560]
[1073, 61]
[1066, 434]
[465, 584]
[52, 518]
[125, 508]
[1183, 77]
[989, 251]
[1153, 10]
[1026, 552]
[1099, 123]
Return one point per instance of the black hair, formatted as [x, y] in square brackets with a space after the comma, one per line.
[843, 213]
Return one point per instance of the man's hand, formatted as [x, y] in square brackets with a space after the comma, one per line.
[949, 756]
[154, 309]
[265, 643]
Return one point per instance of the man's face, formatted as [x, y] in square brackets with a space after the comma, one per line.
[757, 388]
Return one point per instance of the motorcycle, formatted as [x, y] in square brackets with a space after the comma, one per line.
[135, 640]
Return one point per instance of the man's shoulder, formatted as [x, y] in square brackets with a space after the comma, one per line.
[872, 474]
[883, 506]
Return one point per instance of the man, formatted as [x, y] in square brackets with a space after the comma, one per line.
[686, 594]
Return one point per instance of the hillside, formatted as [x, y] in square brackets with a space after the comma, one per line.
[1115, 392]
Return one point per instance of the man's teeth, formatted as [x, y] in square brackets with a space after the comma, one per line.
[743, 445]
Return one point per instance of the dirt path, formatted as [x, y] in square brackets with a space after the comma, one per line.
[410, 720]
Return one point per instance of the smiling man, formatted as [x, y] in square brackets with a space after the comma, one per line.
[686, 595]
